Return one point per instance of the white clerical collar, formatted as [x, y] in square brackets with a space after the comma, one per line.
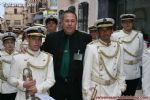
[104, 43]
[33, 53]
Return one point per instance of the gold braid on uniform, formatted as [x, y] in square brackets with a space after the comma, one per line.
[131, 39]
[40, 67]
[101, 59]
[2, 77]
[131, 54]
[29, 53]
[8, 62]
[111, 76]
[113, 55]
[1, 72]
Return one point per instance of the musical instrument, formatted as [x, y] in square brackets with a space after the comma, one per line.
[27, 76]
[94, 93]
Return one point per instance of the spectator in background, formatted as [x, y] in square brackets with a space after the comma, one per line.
[93, 32]
[51, 24]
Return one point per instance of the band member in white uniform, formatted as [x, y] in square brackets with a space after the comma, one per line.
[93, 32]
[103, 63]
[24, 43]
[32, 72]
[7, 91]
[132, 41]
[146, 72]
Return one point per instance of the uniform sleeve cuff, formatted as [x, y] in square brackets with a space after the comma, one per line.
[20, 85]
[39, 89]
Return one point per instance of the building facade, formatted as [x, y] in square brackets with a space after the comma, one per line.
[2, 24]
[14, 16]
[37, 10]
[88, 11]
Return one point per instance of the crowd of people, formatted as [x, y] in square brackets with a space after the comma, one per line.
[72, 65]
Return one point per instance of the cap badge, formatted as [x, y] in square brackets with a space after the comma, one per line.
[39, 30]
[104, 20]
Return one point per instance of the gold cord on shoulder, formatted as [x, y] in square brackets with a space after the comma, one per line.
[113, 55]
[101, 61]
[111, 76]
[2, 77]
[131, 54]
[131, 39]
[40, 67]
[29, 53]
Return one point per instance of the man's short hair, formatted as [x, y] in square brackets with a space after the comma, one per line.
[69, 11]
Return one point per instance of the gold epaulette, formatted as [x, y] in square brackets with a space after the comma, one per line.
[94, 41]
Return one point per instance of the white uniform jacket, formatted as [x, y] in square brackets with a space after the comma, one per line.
[6, 58]
[103, 69]
[133, 48]
[41, 65]
[146, 72]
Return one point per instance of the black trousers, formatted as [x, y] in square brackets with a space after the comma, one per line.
[11, 96]
[66, 91]
[131, 87]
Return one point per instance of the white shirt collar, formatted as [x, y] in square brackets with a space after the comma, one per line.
[33, 53]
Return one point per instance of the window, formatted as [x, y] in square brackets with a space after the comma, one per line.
[40, 5]
[83, 16]
[15, 10]
[32, 9]
[8, 22]
[53, 2]
[17, 22]
[102, 8]
[60, 17]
